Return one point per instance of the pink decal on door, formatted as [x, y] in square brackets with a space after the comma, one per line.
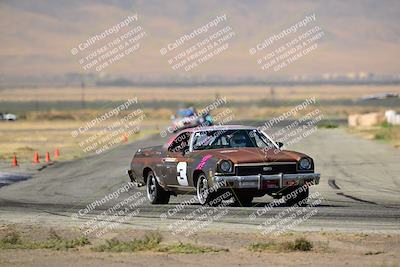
[203, 162]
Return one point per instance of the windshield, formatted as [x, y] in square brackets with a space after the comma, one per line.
[230, 139]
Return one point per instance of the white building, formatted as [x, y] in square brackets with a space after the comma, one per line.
[392, 117]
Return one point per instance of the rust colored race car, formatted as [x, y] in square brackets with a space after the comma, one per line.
[241, 159]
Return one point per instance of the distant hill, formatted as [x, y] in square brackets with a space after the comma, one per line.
[361, 35]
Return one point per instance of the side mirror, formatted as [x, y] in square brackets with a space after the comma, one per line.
[280, 144]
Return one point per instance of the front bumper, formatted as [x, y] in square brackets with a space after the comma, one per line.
[272, 181]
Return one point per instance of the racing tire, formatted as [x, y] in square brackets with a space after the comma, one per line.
[155, 193]
[204, 196]
[207, 197]
[202, 190]
[300, 198]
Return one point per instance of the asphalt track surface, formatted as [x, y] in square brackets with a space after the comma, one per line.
[360, 189]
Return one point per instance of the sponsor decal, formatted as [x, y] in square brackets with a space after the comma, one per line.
[203, 162]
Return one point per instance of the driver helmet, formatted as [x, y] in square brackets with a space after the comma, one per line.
[238, 140]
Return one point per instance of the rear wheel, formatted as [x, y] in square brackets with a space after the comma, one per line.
[155, 193]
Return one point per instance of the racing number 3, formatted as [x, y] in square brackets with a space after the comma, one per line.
[181, 173]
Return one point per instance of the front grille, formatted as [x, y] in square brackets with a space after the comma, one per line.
[259, 169]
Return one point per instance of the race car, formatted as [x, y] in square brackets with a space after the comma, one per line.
[187, 118]
[241, 159]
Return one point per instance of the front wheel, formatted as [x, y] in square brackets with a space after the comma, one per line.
[202, 190]
[206, 195]
[155, 193]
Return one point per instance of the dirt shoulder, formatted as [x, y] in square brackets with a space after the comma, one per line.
[383, 133]
[234, 249]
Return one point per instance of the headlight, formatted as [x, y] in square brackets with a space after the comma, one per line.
[305, 164]
[225, 166]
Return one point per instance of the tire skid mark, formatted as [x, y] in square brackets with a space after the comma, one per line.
[332, 183]
[357, 199]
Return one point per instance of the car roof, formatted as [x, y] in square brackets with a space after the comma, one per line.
[219, 128]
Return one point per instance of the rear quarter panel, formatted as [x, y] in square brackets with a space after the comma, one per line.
[147, 158]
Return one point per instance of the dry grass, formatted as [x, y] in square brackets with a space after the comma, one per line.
[138, 246]
[25, 137]
[13, 240]
[162, 115]
[151, 242]
[300, 244]
[239, 93]
[384, 133]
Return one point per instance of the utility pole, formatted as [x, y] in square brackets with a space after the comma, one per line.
[272, 93]
[82, 94]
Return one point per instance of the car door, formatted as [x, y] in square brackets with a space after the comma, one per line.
[176, 161]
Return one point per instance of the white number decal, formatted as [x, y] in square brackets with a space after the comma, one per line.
[181, 170]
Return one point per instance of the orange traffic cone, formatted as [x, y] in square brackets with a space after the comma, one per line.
[36, 157]
[125, 138]
[14, 161]
[48, 157]
[56, 153]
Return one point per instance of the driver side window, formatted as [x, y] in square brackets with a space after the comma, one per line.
[180, 144]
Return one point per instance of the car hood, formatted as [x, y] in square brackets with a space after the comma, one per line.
[256, 155]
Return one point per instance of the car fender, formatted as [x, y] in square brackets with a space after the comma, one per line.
[206, 163]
